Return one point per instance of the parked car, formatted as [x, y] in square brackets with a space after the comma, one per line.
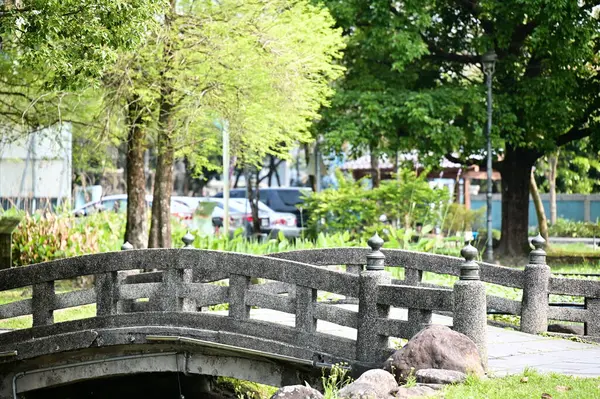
[279, 199]
[239, 216]
[118, 203]
[284, 222]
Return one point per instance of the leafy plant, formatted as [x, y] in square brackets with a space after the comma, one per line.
[357, 209]
[571, 228]
[458, 218]
[334, 381]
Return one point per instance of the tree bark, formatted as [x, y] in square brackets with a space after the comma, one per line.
[253, 198]
[375, 173]
[539, 207]
[553, 162]
[135, 229]
[312, 181]
[160, 227]
[515, 170]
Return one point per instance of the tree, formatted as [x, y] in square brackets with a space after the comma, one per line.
[414, 81]
[73, 40]
[264, 67]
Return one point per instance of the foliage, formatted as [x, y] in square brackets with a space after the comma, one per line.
[335, 380]
[43, 237]
[73, 41]
[571, 228]
[356, 209]
[578, 169]
[415, 82]
[458, 218]
[530, 384]
[243, 389]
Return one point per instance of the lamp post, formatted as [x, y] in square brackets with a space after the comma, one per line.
[488, 62]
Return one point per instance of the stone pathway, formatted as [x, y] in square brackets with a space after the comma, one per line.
[509, 352]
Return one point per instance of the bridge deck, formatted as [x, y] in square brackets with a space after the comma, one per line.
[509, 351]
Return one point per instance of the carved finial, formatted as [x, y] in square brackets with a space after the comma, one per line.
[375, 242]
[375, 258]
[538, 242]
[469, 252]
[126, 246]
[188, 239]
[469, 270]
[538, 255]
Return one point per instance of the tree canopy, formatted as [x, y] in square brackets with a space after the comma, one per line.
[72, 41]
[414, 82]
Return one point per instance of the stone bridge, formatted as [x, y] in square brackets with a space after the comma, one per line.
[155, 311]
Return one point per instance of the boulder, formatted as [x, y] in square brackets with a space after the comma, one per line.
[418, 391]
[297, 392]
[439, 376]
[371, 384]
[435, 347]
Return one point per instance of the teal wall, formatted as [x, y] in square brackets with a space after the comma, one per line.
[568, 206]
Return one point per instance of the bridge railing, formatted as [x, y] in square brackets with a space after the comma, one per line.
[532, 285]
[175, 295]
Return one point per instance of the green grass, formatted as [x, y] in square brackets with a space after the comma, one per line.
[572, 249]
[529, 385]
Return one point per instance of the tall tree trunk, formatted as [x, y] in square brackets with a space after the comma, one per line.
[553, 162]
[539, 207]
[375, 173]
[515, 170]
[312, 181]
[135, 229]
[253, 198]
[160, 227]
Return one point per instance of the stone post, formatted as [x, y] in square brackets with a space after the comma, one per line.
[189, 305]
[534, 306]
[125, 305]
[42, 303]
[370, 345]
[470, 313]
[592, 326]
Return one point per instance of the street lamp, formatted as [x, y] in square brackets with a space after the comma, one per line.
[488, 62]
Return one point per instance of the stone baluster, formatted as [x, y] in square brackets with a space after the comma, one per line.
[592, 326]
[238, 287]
[306, 297]
[189, 305]
[534, 306]
[370, 345]
[470, 307]
[107, 291]
[42, 303]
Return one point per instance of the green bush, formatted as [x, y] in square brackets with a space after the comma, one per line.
[356, 209]
[570, 228]
[43, 237]
[458, 218]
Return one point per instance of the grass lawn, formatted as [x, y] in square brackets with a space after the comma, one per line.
[573, 249]
[529, 385]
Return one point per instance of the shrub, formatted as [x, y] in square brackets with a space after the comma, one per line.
[458, 218]
[43, 237]
[356, 209]
[571, 228]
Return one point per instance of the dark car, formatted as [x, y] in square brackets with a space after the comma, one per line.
[279, 199]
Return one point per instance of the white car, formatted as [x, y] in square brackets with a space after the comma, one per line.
[241, 214]
[118, 203]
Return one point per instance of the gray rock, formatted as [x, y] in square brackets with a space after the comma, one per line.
[297, 392]
[439, 376]
[412, 392]
[372, 384]
[435, 347]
